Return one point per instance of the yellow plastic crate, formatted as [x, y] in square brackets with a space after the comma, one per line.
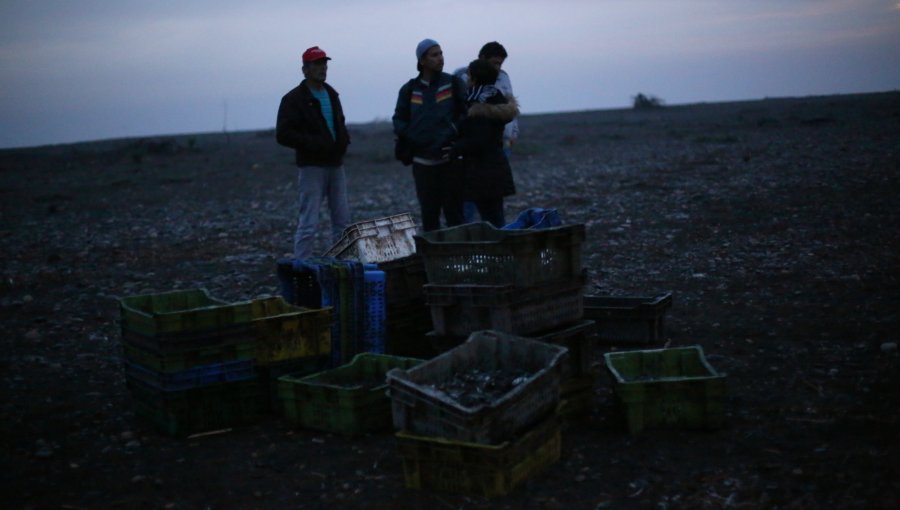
[460, 467]
[286, 332]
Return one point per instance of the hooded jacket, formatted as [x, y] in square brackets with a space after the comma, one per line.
[302, 127]
[487, 171]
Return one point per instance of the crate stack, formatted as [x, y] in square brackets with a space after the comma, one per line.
[389, 244]
[480, 418]
[289, 340]
[526, 282]
[190, 361]
[354, 292]
[195, 363]
[408, 317]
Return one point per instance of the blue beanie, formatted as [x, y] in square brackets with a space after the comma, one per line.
[424, 46]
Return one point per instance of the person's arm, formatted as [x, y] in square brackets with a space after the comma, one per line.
[402, 111]
[459, 98]
[511, 131]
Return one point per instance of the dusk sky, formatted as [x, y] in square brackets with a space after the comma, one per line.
[83, 70]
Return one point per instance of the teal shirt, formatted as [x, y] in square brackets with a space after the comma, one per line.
[325, 102]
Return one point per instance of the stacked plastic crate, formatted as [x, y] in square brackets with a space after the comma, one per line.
[407, 317]
[525, 282]
[189, 361]
[354, 292]
[289, 340]
[481, 418]
[388, 244]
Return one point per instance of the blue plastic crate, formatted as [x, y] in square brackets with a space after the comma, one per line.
[196, 377]
[327, 281]
[375, 311]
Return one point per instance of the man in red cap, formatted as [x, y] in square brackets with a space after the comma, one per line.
[311, 121]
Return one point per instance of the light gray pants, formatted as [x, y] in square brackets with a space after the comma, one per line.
[315, 184]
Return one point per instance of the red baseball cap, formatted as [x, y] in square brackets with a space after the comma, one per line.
[313, 54]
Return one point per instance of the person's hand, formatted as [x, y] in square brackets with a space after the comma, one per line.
[446, 152]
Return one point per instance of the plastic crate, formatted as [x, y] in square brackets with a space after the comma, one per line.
[474, 469]
[462, 309]
[178, 361]
[377, 240]
[195, 377]
[439, 344]
[285, 332]
[269, 374]
[348, 400]
[576, 397]
[667, 387]
[298, 283]
[576, 338]
[406, 327]
[180, 312]
[404, 278]
[329, 282]
[174, 344]
[181, 413]
[375, 313]
[420, 408]
[478, 253]
[631, 319]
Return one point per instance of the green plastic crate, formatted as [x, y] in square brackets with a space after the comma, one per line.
[269, 374]
[667, 387]
[178, 361]
[348, 400]
[180, 311]
[285, 332]
[475, 469]
[181, 413]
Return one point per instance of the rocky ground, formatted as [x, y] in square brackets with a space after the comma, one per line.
[774, 224]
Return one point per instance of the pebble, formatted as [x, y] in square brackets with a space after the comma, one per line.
[889, 347]
[44, 451]
[133, 444]
[33, 335]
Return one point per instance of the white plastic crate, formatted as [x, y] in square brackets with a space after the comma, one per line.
[378, 240]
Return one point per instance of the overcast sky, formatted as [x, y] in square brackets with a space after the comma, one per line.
[89, 69]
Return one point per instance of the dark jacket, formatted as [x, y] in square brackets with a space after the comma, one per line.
[302, 127]
[480, 144]
[428, 117]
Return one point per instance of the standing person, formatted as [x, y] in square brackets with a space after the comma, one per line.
[494, 53]
[488, 175]
[311, 121]
[429, 110]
